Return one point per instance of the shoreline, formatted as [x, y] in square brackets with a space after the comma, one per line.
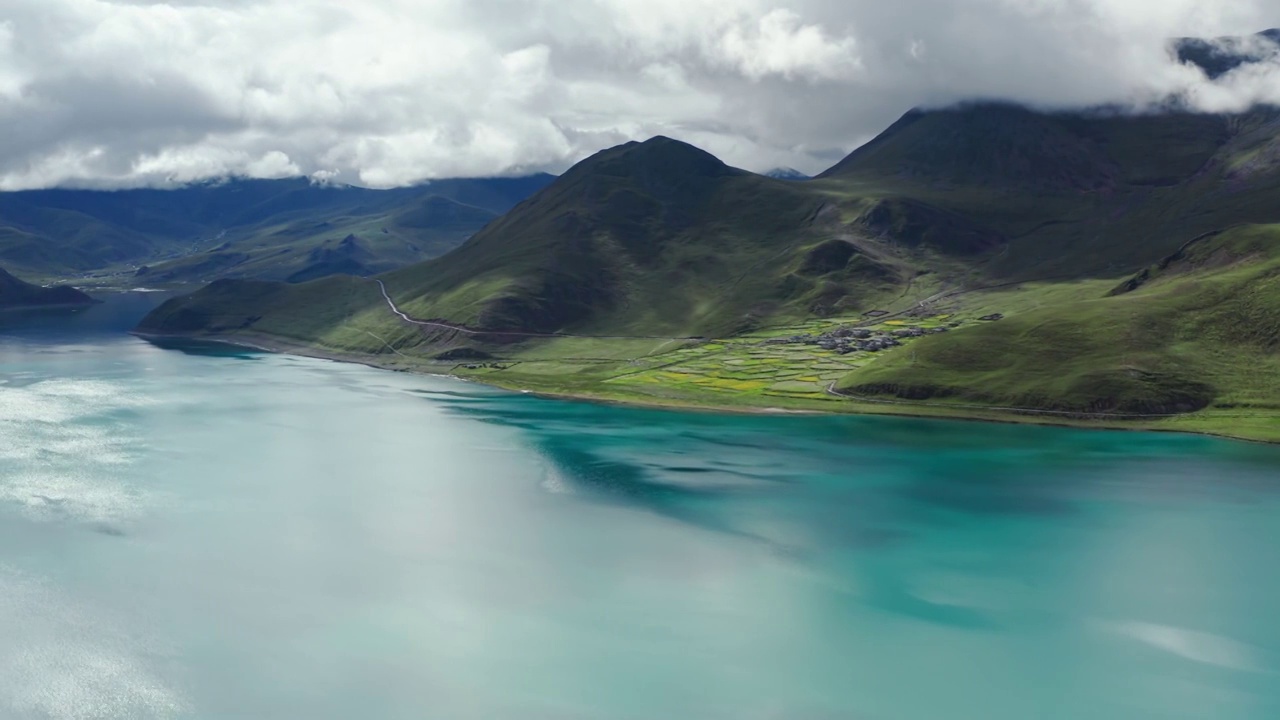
[280, 346]
[301, 349]
[55, 306]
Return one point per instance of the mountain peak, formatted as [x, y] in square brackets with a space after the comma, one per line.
[662, 140]
[981, 144]
[786, 173]
[659, 157]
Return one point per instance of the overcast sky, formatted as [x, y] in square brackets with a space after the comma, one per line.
[391, 92]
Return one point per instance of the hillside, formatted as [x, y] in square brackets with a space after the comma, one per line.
[984, 260]
[1199, 329]
[654, 238]
[15, 293]
[244, 228]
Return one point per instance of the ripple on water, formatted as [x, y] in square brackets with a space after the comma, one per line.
[64, 451]
[62, 661]
[1201, 647]
[554, 482]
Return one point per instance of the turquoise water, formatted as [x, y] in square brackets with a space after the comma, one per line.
[204, 533]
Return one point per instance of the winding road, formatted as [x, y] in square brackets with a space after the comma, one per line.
[510, 333]
[446, 326]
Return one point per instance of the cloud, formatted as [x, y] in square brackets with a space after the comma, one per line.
[391, 92]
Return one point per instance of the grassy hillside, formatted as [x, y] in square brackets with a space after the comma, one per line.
[1199, 330]
[274, 229]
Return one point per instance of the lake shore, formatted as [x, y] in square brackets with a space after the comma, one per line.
[1194, 424]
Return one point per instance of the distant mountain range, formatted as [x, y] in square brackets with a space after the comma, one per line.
[275, 229]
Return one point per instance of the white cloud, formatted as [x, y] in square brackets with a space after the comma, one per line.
[388, 92]
[1240, 89]
[780, 44]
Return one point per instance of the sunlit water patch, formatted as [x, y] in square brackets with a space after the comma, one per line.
[64, 659]
[67, 446]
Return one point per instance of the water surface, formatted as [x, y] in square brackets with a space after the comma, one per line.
[210, 533]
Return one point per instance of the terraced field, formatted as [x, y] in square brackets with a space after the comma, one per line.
[768, 368]
[789, 371]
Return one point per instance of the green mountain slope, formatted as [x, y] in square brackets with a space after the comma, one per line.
[655, 238]
[245, 228]
[1199, 329]
[15, 293]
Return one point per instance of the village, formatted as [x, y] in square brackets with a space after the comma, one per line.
[847, 340]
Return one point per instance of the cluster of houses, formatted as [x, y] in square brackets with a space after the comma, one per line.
[848, 340]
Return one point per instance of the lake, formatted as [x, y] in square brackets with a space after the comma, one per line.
[211, 533]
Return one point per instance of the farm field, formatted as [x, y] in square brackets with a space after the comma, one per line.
[767, 367]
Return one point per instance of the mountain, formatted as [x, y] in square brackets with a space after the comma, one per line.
[1008, 147]
[786, 173]
[15, 293]
[984, 260]
[649, 238]
[1077, 194]
[1219, 56]
[244, 228]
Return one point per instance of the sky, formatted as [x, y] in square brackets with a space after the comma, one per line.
[384, 93]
